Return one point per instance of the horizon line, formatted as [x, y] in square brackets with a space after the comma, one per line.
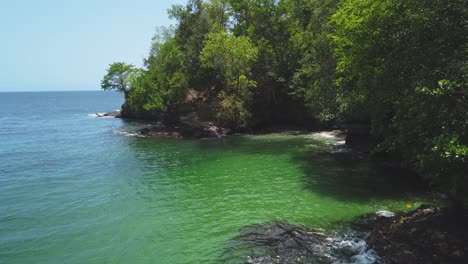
[48, 91]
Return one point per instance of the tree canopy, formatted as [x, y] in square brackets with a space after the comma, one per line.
[398, 65]
[119, 77]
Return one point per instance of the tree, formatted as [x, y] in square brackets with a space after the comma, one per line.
[118, 77]
[314, 79]
[404, 63]
[270, 27]
[232, 57]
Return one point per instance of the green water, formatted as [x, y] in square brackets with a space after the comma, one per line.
[73, 190]
[187, 199]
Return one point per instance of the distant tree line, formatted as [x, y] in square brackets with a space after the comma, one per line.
[399, 65]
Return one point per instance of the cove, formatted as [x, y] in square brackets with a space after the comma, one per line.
[74, 189]
[190, 197]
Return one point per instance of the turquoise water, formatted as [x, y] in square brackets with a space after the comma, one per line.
[73, 189]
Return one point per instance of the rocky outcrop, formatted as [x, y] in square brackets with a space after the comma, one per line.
[116, 114]
[426, 235]
[189, 126]
[281, 242]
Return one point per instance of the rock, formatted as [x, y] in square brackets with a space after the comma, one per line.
[158, 131]
[281, 242]
[188, 127]
[425, 235]
[191, 126]
[116, 114]
[262, 260]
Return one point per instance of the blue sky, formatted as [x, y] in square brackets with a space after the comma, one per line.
[52, 45]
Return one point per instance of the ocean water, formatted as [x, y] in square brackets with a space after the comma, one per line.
[75, 189]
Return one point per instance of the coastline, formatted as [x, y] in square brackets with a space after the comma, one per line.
[392, 238]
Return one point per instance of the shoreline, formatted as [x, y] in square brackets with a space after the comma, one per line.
[428, 234]
[398, 238]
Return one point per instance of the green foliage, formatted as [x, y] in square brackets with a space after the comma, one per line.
[144, 95]
[399, 65]
[431, 133]
[232, 57]
[164, 64]
[314, 80]
[118, 77]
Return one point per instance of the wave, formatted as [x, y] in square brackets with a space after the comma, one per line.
[99, 115]
[126, 133]
[341, 246]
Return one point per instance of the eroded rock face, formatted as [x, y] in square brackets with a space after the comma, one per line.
[189, 126]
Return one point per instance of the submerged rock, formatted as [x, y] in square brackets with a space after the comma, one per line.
[281, 242]
[426, 235]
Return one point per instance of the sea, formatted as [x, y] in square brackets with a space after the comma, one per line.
[75, 188]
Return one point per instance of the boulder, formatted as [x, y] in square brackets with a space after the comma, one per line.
[281, 242]
[426, 235]
[116, 114]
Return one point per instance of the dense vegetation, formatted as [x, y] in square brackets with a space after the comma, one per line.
[399, 65]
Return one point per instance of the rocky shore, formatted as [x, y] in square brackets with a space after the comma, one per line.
[426, 235]
[116, 114]
[283, 243]
[188, 127]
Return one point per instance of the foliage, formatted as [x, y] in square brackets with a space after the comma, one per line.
[118, 77]
[431, 133]
[232, 57]
[398, 65]
[407, 58]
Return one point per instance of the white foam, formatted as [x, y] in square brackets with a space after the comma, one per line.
[350, 248]
[339, 143]
[366, 257]
[385, 213]
[326, 135]
[125, 133]
[96, 115]
[99, 115]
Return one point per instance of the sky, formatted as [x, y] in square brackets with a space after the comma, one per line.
[66, 45]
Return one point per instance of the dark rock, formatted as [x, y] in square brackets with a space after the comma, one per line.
[425, 235]
[145, 131]
[187, 127]
[116, 114]
[356, 128]
[281, 242]
[191, 126]
[158, 131]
